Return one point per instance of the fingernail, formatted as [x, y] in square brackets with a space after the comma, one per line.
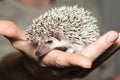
[112, 37]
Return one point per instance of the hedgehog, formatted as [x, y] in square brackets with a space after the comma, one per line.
[67, 28]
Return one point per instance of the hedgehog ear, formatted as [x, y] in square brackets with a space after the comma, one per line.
[58, 36]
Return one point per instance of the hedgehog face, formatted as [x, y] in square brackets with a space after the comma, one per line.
[50, 44]
[55, 43]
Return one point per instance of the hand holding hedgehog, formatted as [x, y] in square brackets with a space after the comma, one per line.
[55, 57]
[66, 28]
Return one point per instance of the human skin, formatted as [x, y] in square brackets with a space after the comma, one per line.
[117, 78]
[59, 58]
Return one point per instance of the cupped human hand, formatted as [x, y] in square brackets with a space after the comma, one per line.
[62, 62]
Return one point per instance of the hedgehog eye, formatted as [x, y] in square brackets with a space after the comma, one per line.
[50, 41]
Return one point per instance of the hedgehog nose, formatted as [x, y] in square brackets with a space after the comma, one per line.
[37, 53]
[42, 50]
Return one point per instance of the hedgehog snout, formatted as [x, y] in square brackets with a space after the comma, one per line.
[42, 50]
[47, 46]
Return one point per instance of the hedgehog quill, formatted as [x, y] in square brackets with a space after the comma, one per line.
[68, 28]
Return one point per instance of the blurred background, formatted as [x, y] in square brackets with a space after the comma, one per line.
[21, 12]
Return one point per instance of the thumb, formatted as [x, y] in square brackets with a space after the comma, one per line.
[94, 50]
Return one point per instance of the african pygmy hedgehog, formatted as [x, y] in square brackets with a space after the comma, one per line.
[69, 28]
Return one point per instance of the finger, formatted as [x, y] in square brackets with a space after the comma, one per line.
[16, 37]
[63, 59]
[118, 40]
[10, 30]
[102, 58]
[99, 46]
[117, 78]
